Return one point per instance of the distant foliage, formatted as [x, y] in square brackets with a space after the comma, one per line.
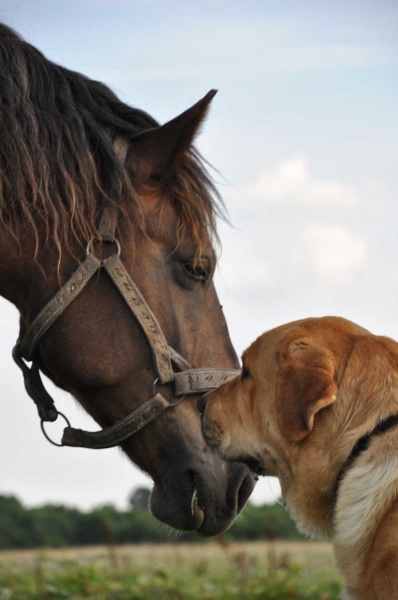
[139, 498]
[264, 522]
[55, 526]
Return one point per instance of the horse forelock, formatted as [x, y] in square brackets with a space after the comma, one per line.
[57, 159]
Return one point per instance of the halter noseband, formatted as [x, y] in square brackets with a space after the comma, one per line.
[187, 381]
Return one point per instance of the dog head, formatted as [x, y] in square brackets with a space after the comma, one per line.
[284, 413]
[308, 391]
[289, 375]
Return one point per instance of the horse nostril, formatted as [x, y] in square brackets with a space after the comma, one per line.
[201, 404]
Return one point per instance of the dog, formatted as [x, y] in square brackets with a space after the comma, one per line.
[316, 405]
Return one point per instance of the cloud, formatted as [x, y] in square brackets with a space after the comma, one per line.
[292, 183]
[198, 64]
[334, 251]
[242, 272]
[302, 228]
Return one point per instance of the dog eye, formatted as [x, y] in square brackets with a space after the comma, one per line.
[245, 373]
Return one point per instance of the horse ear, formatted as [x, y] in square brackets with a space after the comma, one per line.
[153, 152]
[305, 386]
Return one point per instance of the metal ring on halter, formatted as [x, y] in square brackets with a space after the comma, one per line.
[115, 241]
[45, 433]
[177, 401]
[170, 405]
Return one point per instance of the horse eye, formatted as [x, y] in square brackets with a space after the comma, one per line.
[198, 270]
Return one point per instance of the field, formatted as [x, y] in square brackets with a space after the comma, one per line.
[175, 571]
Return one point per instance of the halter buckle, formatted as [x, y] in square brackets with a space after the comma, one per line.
[100, 239]
[171, 404]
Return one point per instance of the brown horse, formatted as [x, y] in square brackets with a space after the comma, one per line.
[57, 164]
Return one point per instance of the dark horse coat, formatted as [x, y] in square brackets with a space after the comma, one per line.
[57, 164]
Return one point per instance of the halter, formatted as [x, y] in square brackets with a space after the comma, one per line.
[186, 381]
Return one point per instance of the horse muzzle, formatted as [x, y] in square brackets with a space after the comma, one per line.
[206, 500]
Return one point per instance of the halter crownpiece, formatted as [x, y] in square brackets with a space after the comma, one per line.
[187, 381]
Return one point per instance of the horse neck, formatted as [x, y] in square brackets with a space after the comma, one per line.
[23, 278]
[13, 266]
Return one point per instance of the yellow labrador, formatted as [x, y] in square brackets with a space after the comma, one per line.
[316, 405]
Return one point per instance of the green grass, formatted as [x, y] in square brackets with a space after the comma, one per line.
[213, 571]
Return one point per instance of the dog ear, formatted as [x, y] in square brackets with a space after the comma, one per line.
[304, 386]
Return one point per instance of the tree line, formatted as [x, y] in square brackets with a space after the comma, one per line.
[56, 526]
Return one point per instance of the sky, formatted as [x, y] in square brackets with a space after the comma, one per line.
[303, 135]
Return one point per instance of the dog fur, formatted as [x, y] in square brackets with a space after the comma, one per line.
[308, 391]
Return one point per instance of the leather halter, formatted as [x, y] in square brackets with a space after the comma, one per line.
[187, 381]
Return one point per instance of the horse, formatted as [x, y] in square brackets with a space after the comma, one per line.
[86, 181]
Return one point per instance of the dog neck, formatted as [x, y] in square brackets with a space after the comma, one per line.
[366, 488]
[362, 445]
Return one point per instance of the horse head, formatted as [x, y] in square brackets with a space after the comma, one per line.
[57, 165]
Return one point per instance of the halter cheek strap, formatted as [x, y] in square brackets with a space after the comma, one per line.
[144, 315]
[187, 381]
[57, 305]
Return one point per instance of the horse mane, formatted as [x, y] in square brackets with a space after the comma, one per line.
[57, 160]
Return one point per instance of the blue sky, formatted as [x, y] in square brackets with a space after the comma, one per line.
[304, 133]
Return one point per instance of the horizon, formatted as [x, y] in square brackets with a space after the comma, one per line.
[303, 132]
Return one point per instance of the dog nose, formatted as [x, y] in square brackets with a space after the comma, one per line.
[201, 404]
